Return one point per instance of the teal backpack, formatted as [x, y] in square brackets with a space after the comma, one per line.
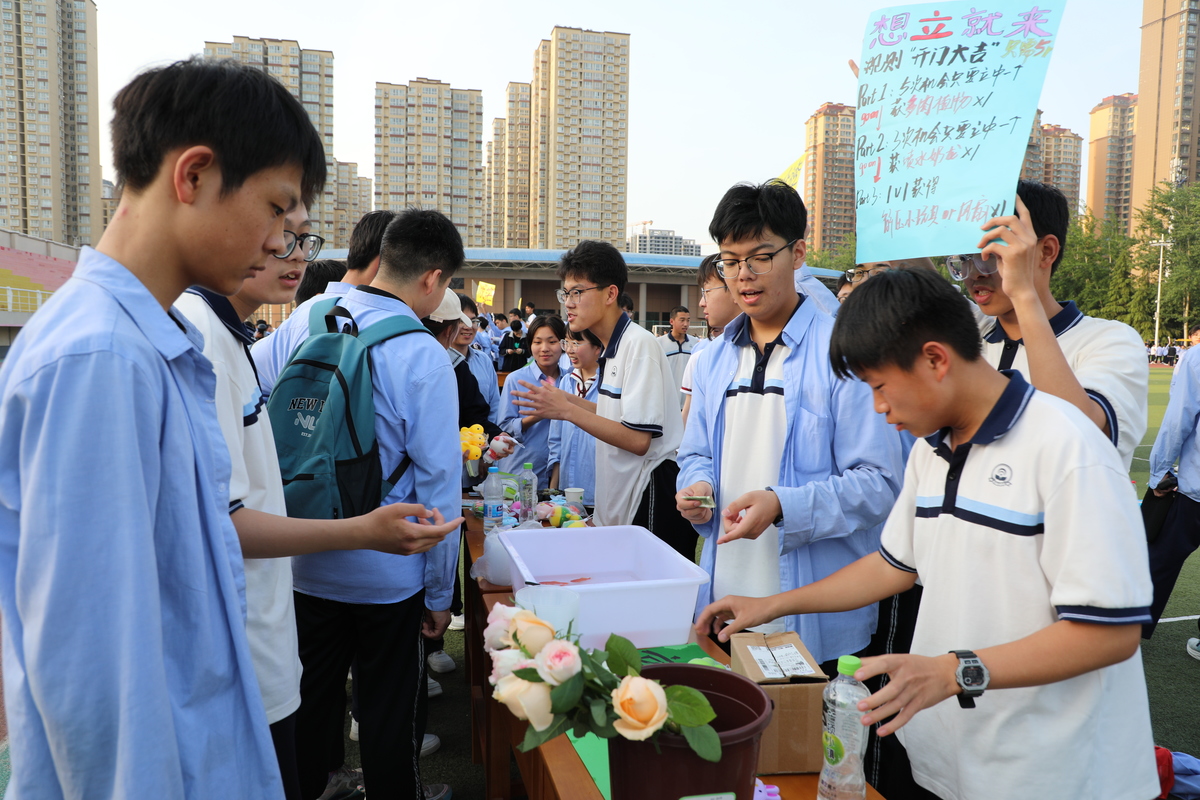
[322, 412]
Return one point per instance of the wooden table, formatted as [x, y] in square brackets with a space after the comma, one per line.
[553, 771]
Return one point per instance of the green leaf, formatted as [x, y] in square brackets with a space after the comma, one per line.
[535, 738]
[529, 674]
[623, 658]
[564, 697]
[687, 706]
[599, 712]
[704, 742]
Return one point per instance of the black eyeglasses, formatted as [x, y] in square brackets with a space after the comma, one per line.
[574, 295]
[861, 273]
[704, 292]
[759, 264]
[310, 245]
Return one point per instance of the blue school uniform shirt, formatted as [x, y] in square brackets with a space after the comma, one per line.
[1176, 440]
[416, 414]
[573, 448]
[126, 664]
[535, 438]
[839, 476]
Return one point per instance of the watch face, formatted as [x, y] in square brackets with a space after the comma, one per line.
[972, 676]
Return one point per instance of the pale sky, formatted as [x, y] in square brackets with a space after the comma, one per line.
[719, 91]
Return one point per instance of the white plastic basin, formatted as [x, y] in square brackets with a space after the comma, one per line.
[636, 585]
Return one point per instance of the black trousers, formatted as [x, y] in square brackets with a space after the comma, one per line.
[283, 736]
[1179, 538]
[657, 512]
[385, 640]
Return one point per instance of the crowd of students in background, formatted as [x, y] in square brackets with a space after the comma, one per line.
[933, 482]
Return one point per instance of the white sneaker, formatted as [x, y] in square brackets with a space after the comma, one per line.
[440, 661]
[430, 744]
[1193, 648]
[458, 622]
[353, 729]
[432, 687]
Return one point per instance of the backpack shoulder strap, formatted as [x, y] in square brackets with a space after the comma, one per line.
[316, 316]
[389, 328]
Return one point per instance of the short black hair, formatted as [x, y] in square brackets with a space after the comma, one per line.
[888, 319]
[248, 118]
[514, 312]
[317, 276]
[531, 304]
[555, 324]
[679, 310]
[585, 336]
[625, 302]
[419, 240]
[1049, 211]
[481, 323]
[842, 280]
[598, 262]
[468, 304]
[747, 210]
[516, 325]
[367, 238]
[708, 270]
[1195, 329]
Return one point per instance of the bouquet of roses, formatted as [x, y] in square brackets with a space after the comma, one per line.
[558, 686]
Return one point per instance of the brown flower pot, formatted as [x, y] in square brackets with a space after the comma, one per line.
[638, 772]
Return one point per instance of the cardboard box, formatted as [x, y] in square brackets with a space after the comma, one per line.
[792, 678]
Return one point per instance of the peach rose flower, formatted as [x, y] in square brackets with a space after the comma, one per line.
[641, 705]
[526, 700]
[495, 635]
[505, 662]
[533, 633]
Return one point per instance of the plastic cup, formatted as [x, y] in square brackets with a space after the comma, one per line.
[573, 495]
[556, 605]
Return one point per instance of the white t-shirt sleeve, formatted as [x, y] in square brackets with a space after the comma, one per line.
[643, 397]
[896, 541]
[686, 386]
[1112, 369]
[1094, 553]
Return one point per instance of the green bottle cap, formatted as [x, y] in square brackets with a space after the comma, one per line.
[848, 665]
[528, 465]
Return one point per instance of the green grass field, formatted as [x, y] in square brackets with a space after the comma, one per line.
[1172, 676]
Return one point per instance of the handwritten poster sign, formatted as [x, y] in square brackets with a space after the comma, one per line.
[947, 96]
[792, 175]
[484, 293]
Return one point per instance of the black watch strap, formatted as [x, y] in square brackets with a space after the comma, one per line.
[966, 698]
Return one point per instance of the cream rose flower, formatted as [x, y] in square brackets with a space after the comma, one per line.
[558, 661]
[495, 635]
[505, 662]
[641, 705]
[533, 633]
[526, 700]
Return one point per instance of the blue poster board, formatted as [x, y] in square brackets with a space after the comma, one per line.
[947, 96]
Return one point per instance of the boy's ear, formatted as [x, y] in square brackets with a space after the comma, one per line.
[611, 294]
[194, 169]
[1049, 247]
[799, 250]
[432, 282]
[935, 357]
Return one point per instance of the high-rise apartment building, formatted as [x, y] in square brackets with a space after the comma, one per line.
[510, 169]
[352, 199]
[1033, 167]
[429, 152]
[1110, 158]
[829, 175]
[1062, 157]
[308, 74]
[575, 182]
[659, 241]
[1165, 146]
[50, 173]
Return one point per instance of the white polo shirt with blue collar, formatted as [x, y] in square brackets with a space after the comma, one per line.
[1108, 359]
[638, 390]
[1030, 522]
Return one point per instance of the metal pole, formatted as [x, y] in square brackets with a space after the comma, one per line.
[1158, 300]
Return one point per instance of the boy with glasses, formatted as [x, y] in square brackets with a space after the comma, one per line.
[719, 309]
[127, 666]
[1097, 365]
[801, 473]
[636, 418]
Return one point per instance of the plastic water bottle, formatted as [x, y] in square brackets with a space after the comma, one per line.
[527, 481]
[844, 738]
[493, 500]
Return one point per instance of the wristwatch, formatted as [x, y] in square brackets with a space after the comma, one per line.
[972, 677]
